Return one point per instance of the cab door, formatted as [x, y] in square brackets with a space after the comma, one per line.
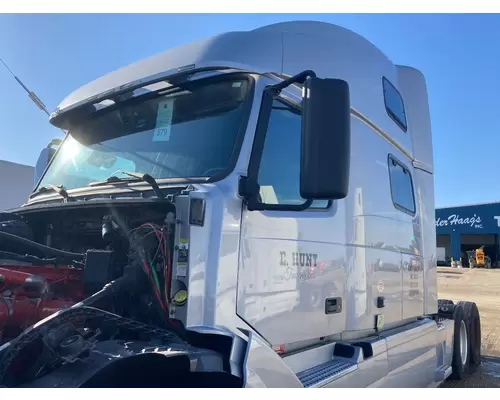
[287, 267]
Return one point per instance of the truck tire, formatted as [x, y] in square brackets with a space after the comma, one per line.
[461, 356]
[474, 328]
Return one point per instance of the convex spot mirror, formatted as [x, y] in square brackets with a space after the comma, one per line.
[326, 139]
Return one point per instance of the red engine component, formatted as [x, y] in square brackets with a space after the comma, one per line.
[31, 293]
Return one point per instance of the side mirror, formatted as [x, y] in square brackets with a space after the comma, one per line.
[44, 159]
[326, 139]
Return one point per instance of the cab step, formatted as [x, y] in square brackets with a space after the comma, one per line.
[442, 373]
[325, 373]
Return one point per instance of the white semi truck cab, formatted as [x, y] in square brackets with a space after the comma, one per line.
[276, 187]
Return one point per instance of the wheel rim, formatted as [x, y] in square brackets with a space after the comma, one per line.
[464, 348]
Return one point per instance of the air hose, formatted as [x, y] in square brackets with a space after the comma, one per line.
[46, 250]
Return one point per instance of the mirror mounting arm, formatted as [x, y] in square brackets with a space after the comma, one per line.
[298, 78]
[248, 189]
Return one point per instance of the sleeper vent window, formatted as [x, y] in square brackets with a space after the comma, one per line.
[401, 187]
[394, 104]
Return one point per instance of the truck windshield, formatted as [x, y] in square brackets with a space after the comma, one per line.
[185, 133]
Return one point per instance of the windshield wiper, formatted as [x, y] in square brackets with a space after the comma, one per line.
[52, 188]
[138, 177]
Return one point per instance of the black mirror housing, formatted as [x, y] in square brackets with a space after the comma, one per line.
[326, 139]
[41, 164]
[44, 159]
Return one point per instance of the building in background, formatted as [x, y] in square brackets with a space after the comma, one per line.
[16, 184]
[465, 228]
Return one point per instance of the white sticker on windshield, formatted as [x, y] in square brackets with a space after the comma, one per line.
[164, 121]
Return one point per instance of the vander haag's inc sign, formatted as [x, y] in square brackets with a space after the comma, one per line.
[458, 220]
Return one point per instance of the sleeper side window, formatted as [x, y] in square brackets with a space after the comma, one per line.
[279, 170]
[401, 186]
[394, 104]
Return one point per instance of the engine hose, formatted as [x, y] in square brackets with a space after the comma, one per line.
[110, 288]
[46, 250]
[35, 261]
[31, 259]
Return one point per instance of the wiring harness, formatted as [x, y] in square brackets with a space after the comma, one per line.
[156, 260]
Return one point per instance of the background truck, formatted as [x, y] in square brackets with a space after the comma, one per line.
[292, 162]
[16, 181]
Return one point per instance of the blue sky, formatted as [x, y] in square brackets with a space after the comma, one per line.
[459, 54]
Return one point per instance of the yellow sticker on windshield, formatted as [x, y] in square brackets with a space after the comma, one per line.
[164, 121]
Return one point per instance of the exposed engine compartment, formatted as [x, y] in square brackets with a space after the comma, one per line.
[52, 260]
[72, 267]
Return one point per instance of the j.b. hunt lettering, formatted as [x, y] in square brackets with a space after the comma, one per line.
[456, 219]
[299, 259]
